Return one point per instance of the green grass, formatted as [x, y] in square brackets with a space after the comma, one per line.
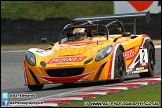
[44, 9]
[147, 94]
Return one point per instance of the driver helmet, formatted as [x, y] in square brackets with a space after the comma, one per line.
[79, 31]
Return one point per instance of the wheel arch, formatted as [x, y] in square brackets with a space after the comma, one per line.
[149, 41]
[107, 72]
[121, 48]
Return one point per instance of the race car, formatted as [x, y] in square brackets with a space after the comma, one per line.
[92, 48]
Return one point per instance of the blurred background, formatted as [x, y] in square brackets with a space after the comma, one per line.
[26, 22]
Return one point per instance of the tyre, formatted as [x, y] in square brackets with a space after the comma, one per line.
[120, 67]
[67, 83]
[35, 87]
[151, 63]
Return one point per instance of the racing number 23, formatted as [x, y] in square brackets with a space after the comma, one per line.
[143, 57]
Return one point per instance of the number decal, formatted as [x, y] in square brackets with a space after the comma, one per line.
[143, 57]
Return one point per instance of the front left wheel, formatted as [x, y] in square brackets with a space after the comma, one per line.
[35, 87]
[120, 67]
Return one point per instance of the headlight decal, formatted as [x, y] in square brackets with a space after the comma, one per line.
[30, 58]
[41, 52]
[104, 52]
[88, 61]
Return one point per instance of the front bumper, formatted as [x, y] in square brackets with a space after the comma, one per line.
[35, 75]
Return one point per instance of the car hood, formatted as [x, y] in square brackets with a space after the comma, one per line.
[70, 52]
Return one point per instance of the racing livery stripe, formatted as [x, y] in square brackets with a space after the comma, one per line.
[80, 43]
[65, 79]
[143, 40]
[112, 62]
[26, 76]
[145, 36]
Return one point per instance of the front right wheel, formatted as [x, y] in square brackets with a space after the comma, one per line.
[151, 63]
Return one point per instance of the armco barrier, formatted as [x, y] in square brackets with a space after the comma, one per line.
[29, 31]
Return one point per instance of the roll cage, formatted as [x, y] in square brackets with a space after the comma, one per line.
[89, 25]
[101, 22]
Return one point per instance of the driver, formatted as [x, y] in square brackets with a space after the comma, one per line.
[80, 33]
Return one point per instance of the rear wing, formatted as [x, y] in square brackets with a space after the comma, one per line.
[114, 17]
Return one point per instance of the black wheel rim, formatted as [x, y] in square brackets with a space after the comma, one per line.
[152, 60]
[120, 65]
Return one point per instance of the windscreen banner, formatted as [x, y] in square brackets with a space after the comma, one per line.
[121, 7]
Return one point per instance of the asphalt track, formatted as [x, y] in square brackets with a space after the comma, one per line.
[12, 77]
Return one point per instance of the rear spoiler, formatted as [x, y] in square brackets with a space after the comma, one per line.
[133, 16]
[115, 17]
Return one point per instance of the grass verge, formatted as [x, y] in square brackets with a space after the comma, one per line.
[40, 10]
[148, 95]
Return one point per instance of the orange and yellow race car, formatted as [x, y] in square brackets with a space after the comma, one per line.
[92, 48]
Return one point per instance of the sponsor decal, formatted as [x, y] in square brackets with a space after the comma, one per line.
[144, 70]
[67, 59]
[135, 61]
[143, 57]
[136, 70]
[129, 54]
[144, 64]
[130, 73]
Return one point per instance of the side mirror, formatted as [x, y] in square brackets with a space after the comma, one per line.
[125, 34]
[44, 40]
